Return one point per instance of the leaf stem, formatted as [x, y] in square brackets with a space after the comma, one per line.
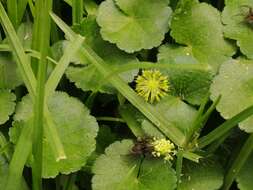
[131, 121]
[12, 7]
[77, 11]
[179, 165]
[225, 127]
[38, 131]
[238, 163]
[114, 119]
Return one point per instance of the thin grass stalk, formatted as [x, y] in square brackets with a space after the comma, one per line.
[38, 131]
[77, 11]
[238, 163]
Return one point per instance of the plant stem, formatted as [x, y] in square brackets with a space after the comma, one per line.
[197, 119]
[114, 119]
[12, 7]
[238, 163]
[131, 121]
[38, 131]
[225, 127]
[179, 165]
[77, 11]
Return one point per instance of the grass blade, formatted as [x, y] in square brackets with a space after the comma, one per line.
[29, 79]
[77, 11]
[12, 7]
[21, 9]
[148, 110]
[62, 65]
[238, 163]
[21, 153]
[16, 46]
[225, 127]
[38, 130]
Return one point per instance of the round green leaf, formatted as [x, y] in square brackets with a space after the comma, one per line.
[109, 52]
[7, 105]
[236, 27]
[201, 176]
[188, 84]
[234, 84]
[77, 130]
[117, 169]
[131, 26]
[88, 77]
[245, 177]
[176, 54]
[198, 25]
[180, 114]
[9, 75]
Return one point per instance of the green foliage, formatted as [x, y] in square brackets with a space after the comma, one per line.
[245, 178]
[178, 113]
[77, 131]
[94, 80]
[205, 176]
[3, 170]
[48, 74]
[236, 26]
[198, 26]
[176, 54]
[234, 84]
[7, 105]
[117, 169]
[191, 85]
[9, 75]
[133, 27]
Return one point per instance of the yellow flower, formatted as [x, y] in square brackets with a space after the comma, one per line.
[152, 85]
[164, 148]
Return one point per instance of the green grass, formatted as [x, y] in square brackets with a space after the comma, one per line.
[76, 72]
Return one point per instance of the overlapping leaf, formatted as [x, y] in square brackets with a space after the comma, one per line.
[131, 26]
[178, 113]
[234, 84]
[87, 77]
[204, 176]
[117, 169]
[198, 26]
[7, 105]
[76, 128]
[245, 177]
[176, 54]
[236, 25]
[9, 75]
[190, 84]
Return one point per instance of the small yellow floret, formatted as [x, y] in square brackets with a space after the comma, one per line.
[152, 85]
[163, 147]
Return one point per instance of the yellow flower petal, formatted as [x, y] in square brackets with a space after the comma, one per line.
[152, 85]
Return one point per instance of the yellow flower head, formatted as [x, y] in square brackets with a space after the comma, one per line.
[152, 85]
[163, 148]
